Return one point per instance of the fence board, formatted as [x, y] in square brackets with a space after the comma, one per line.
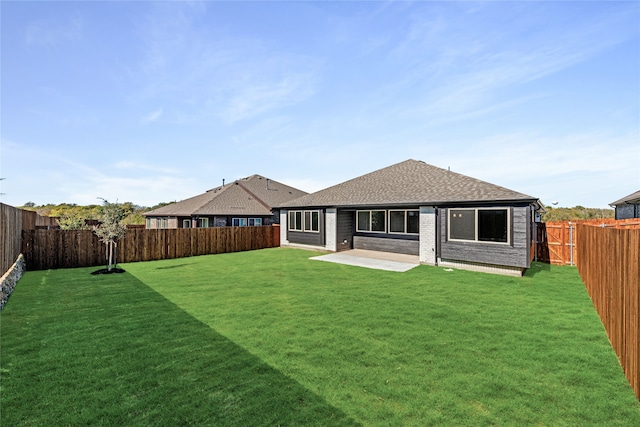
[610, 269]
[11, 220]
[44, 249]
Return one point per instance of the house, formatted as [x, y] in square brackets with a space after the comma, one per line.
[627, 207]
[245, 202]
[412, 207]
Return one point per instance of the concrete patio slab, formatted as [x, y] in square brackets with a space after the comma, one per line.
[372, 259]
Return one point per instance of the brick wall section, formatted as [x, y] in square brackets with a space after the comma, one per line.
[331, 229]
[284, 226]
[428, 235]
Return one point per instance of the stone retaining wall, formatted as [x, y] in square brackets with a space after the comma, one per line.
[10, 279]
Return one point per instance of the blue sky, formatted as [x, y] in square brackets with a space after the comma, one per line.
[153, 102]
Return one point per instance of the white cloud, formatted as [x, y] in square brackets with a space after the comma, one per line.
[208, 72]
[453, 64]
[51, 34]
[253, 99]
[153, 116]
[136, 166]
[575, 169]
[146, 191]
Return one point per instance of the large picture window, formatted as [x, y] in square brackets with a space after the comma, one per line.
[307, 221]
[479, 225]
[404, 222]
[371, 221]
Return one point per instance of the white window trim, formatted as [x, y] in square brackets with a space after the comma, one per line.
[162, 222]
[185, 222]
[302, 224]
[386, 218]
[405, 221]
[292, 225]
[475, 210]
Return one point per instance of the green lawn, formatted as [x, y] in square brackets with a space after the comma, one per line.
[271, 338]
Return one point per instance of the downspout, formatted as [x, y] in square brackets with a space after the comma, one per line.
[438, 234]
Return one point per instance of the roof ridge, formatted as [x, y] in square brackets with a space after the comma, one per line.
[258, 199]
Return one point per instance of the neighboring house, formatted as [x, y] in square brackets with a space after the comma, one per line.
[245, 202]
[627, 207]
[414, 208]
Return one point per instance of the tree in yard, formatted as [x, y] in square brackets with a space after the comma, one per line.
[111, 230]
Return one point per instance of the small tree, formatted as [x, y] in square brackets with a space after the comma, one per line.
[111, 229]
[72, 221]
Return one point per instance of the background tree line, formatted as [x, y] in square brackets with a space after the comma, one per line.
[74, 217]
[575, 213]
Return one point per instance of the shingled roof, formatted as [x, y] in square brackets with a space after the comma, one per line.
[631, 198]
[254, 195]
[408, 183]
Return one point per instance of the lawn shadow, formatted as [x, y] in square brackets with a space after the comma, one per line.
[537, 267]
[205, 373]
[129, 356]
[169, 267]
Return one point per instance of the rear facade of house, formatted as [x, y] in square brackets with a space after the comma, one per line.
[414, 208]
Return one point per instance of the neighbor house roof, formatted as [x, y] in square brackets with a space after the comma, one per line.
[407, 183]
[254, 195]
[631, 198]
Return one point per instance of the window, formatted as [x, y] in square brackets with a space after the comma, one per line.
[307, 221]
[186, 223]
[148, 222]
[239, 222]
[492, 225]
[462, 224]
[371, 221]
[404, 222]
[255, 222]
[203, 222]
[162, 223]
[479, 225]
[295, 220]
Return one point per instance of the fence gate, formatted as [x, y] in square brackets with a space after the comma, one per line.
[557, 243]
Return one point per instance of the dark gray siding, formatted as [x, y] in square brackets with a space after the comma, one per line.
[308, 238]
[385, 244]
[346, 229]
[516, 254]
[627, 211]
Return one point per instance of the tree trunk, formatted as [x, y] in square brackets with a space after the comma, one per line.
[110, 267]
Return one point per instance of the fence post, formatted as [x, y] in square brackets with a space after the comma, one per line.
[570, 243]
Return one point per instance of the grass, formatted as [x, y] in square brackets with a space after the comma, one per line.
[271, 338]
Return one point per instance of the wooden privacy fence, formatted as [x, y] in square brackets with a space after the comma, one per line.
[556, 240]
[12, 222]
[45, 249]
[610, 269]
